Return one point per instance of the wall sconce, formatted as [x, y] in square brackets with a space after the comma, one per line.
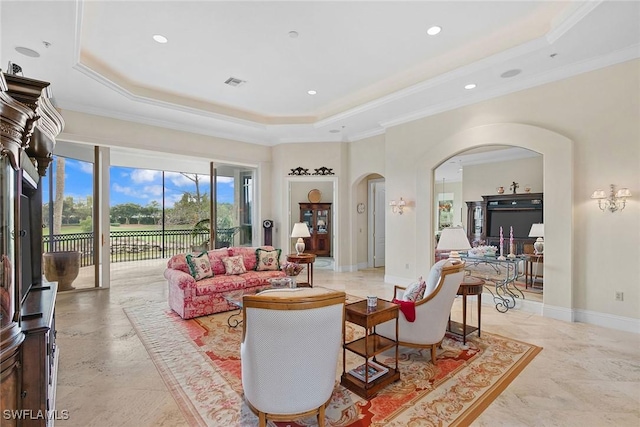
[614, 202]
[398, 207]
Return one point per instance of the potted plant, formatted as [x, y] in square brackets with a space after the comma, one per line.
[200, 236]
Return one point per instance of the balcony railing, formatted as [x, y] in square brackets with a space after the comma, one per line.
[135, 245]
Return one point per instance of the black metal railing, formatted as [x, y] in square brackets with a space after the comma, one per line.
[136, 245]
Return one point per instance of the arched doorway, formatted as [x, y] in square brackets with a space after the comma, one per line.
[558, 191]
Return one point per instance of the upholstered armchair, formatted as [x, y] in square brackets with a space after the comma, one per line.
[289, 351]
[431, 312]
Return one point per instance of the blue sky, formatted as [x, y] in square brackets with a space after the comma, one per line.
[139, 186]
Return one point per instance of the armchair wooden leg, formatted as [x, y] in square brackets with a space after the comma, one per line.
[433, 353]
[321, 417]
[262, 419]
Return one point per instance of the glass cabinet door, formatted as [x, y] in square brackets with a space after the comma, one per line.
[307, 218]
[322, 221]
[7, 242]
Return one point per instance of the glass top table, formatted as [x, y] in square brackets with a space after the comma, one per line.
[236, 297]
[503, 272]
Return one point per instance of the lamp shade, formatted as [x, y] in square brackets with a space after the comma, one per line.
[300, 229]
[453, 239]
[537, 230]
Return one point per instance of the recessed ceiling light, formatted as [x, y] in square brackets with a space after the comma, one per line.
[470, 86]
[311, 92]
[434, 30]
[27, 52]
[160, 39]
[293, 34]
[510, 73]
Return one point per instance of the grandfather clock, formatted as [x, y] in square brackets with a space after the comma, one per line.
[267, 224]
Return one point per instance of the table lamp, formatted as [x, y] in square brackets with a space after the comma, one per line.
[453, 239]
[537, 230]
[300, 230]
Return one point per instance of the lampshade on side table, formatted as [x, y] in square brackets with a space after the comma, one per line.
[300, 231]
[453, 239]
[537, 230]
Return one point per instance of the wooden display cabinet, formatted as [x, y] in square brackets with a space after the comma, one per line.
[518, 210]
[28, 356]
[317, 217]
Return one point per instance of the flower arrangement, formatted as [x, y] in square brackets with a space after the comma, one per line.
[291, 268]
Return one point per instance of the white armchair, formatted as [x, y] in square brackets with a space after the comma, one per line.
[289, 351]
[432, 312]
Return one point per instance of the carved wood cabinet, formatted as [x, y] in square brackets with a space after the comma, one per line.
[517, 211]
[28, 356]
[317, 217]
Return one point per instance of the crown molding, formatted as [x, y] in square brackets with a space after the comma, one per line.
[570, 21]
[623, 55]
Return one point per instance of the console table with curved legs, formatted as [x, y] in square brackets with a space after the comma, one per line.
[503, 273]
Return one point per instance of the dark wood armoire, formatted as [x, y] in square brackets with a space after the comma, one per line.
[28, 354]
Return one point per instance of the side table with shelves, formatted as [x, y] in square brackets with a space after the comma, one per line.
[370, 345]
[307, 260]
[469, 286]
[533, 270]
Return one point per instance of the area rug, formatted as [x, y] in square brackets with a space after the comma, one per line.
[199, 361]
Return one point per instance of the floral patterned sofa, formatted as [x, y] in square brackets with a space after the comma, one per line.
[219, 272]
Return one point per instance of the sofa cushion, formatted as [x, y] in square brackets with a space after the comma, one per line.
[234, 265]
[199, 266]
[249, 254]
[179, 262]
[267, 260]
[220, 284]
[215, 258]
[255, 278]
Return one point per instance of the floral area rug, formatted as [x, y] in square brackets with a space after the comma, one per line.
[199, 360]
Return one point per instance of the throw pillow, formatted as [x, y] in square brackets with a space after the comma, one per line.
[434, 276]
[414, 291]
[234, 265]
[268, 260]
[199, 266]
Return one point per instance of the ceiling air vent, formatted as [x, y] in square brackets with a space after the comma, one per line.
[232, 81]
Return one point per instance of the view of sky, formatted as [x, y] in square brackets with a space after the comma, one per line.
[140, 186]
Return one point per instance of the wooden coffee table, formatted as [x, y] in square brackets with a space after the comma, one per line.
[370, 345]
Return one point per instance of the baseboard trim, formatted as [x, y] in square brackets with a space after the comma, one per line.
[606, 320]
[559, 313]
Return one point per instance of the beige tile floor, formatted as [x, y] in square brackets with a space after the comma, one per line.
[585, 376]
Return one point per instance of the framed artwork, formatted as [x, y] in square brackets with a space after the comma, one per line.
[445, 211]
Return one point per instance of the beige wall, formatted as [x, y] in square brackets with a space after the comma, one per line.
[290, 190]
[589, 254]
[586, 127]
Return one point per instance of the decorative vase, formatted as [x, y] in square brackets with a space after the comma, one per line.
[500, 190]
[62, 267]
[293, 283]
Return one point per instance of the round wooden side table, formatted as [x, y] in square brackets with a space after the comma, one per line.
[307, 260]
[469, 286]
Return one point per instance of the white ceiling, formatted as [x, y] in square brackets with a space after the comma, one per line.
[371, 63]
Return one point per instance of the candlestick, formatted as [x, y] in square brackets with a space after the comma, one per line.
[511, 247]
[501, 242]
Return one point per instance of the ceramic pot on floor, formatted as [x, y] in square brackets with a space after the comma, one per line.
[62, 267]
